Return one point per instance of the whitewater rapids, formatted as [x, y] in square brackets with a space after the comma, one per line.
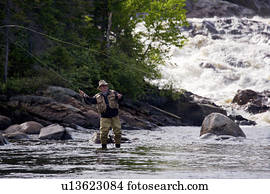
[221, 56]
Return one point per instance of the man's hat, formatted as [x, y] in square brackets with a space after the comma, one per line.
[102, 83]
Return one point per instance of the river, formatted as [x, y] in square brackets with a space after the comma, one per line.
[168, 152]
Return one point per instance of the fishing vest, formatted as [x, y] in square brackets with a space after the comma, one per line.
[101, 104]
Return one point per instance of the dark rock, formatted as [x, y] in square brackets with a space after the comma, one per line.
[3, 140]
[238, 119]
[54, 132]
[244, 96]
[253, 102]
[31, 127]
[255, 108]
[219, 124]
[5, 122]
[235, 32]
[216, 37]
[248, 122]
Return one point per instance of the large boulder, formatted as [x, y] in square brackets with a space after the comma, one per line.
[31, 127]
[54, 132]
[3, 140]
[5, 122]
[219, 124]
[20, 131]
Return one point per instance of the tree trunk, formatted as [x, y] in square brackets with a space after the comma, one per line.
[109, 30]
[101, 20]
[6, 60]
[7, 43]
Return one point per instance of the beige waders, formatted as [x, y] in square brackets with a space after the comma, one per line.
[105, 125]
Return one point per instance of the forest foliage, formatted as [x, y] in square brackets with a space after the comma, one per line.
[75, 43]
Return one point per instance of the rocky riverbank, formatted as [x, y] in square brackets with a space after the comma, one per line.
[65, 107]
[50, 113]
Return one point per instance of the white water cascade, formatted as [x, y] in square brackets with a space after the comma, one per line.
[221, 56]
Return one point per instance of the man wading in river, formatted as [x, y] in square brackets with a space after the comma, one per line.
[107, 105]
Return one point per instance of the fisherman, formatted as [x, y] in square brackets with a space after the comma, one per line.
[107, 105]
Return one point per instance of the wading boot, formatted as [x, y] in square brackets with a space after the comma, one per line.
[104, 146]
[117, 145]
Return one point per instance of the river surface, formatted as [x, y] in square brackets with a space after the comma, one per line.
[169, 152]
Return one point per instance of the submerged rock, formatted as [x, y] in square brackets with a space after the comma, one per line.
[54, 132]
[219, 124]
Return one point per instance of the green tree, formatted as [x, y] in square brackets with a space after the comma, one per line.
[138, 52]
[111, 46]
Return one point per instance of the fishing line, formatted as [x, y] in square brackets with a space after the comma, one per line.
[71, 44]
[42, 63]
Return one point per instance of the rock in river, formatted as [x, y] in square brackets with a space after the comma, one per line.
[220, 124]
[31, 127]
[253, 102]
[54, 132]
